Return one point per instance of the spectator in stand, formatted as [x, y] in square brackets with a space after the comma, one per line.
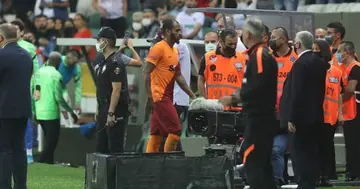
[179, 7]
[52, 8]
[150, 24]
[137, 24]
[50, 23]
[69, 28]
[45, 39]
[289, 5]
[59, 27]
[206, 4]
[80, 22]
[191, 23]
[163, 16]
[113, 13]
[84, 7]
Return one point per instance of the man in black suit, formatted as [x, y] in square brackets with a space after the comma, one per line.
[301, 109]
[15, 107]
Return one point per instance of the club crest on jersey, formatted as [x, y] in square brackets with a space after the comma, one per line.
[333, 80]
[213, 58]
[292, 59]
[238, 66]
[280, 64]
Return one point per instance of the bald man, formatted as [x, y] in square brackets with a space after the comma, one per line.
[211, 40]
[231, 25]
[15, 107]
[48, 81]
[320, 33]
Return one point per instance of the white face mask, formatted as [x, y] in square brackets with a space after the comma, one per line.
[136, 26]
[99, 47]
[146, 22]
[210, 47]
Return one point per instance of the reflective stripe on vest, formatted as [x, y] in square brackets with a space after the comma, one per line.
[332, 94]
[349, 106]
[285, 64]
[223, 76]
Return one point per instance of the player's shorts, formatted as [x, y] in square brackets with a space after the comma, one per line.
[164, 119]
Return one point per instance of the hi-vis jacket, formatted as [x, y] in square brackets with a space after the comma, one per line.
[349, 106]
[223, 76]
[285, 64]
[332, 94]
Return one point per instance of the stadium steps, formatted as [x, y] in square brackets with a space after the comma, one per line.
[329, 8]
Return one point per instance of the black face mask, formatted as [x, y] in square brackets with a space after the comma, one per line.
[69, 31]
[272, 45]
[229, 50]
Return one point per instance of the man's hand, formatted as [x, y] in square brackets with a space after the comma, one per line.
[130, 44]
[78, 109]
[34, 119]
[149, 105]
[110, 120]
[36, 95]
[226, 100]
[65, 114]
[291, 127]
[74, 117]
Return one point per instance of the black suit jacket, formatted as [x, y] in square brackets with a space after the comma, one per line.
[304, 90]
[15, 73]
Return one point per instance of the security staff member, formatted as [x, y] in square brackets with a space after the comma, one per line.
[112, 95]
[222, 70]
[351, 108]
[285, 57]
[258, 96]
[332, 115]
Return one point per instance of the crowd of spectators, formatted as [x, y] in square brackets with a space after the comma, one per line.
[46, 20]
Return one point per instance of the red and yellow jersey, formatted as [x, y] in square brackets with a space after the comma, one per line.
[166, 61]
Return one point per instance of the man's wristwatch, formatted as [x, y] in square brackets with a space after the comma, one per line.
[111, 114]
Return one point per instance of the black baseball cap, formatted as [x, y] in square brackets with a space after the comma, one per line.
[106, 32]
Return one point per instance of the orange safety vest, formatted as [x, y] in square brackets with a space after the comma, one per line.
[285, 64]
[332, 94]
[349, 106]
[223, 76]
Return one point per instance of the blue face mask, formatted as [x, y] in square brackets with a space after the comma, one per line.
[339, 58]
[329, 39]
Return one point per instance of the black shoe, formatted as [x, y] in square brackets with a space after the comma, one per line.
[279, 183]
[349, 177]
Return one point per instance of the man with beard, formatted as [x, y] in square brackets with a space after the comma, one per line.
[179, 7]
[161, 71]
[45, 39]
[231, 25]
[258, 98]
[191, 23]
[285, 57]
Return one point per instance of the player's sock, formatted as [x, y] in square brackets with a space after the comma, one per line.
[171, 143]
[153, 144]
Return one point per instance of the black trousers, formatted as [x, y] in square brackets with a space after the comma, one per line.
[327, 151]
[112, 139]
[258, 141]
[12, 153]
[304, 146]
[352, 145]
[118, 25]
[51, 130]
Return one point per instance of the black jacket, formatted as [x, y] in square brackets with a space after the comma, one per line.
[304, 89]
[258, 93]
[16, 68]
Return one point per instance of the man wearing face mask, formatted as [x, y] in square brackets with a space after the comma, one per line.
[335, 35]
[211, 40]
[112, 94]
[48, 82]
[258, 98]
[231, 25]
[16, 69]
[351, 108]
[222, 69]
[151, 26]
[285, 57]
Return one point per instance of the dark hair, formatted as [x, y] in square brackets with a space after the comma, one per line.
[339, 28]
[168, 24]
[19, 24]
[82, 17]
[75, 52]
[324, 49]
[40, 16]
[267, 30]
[227, 32]
[349, 47]
[283, 32]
